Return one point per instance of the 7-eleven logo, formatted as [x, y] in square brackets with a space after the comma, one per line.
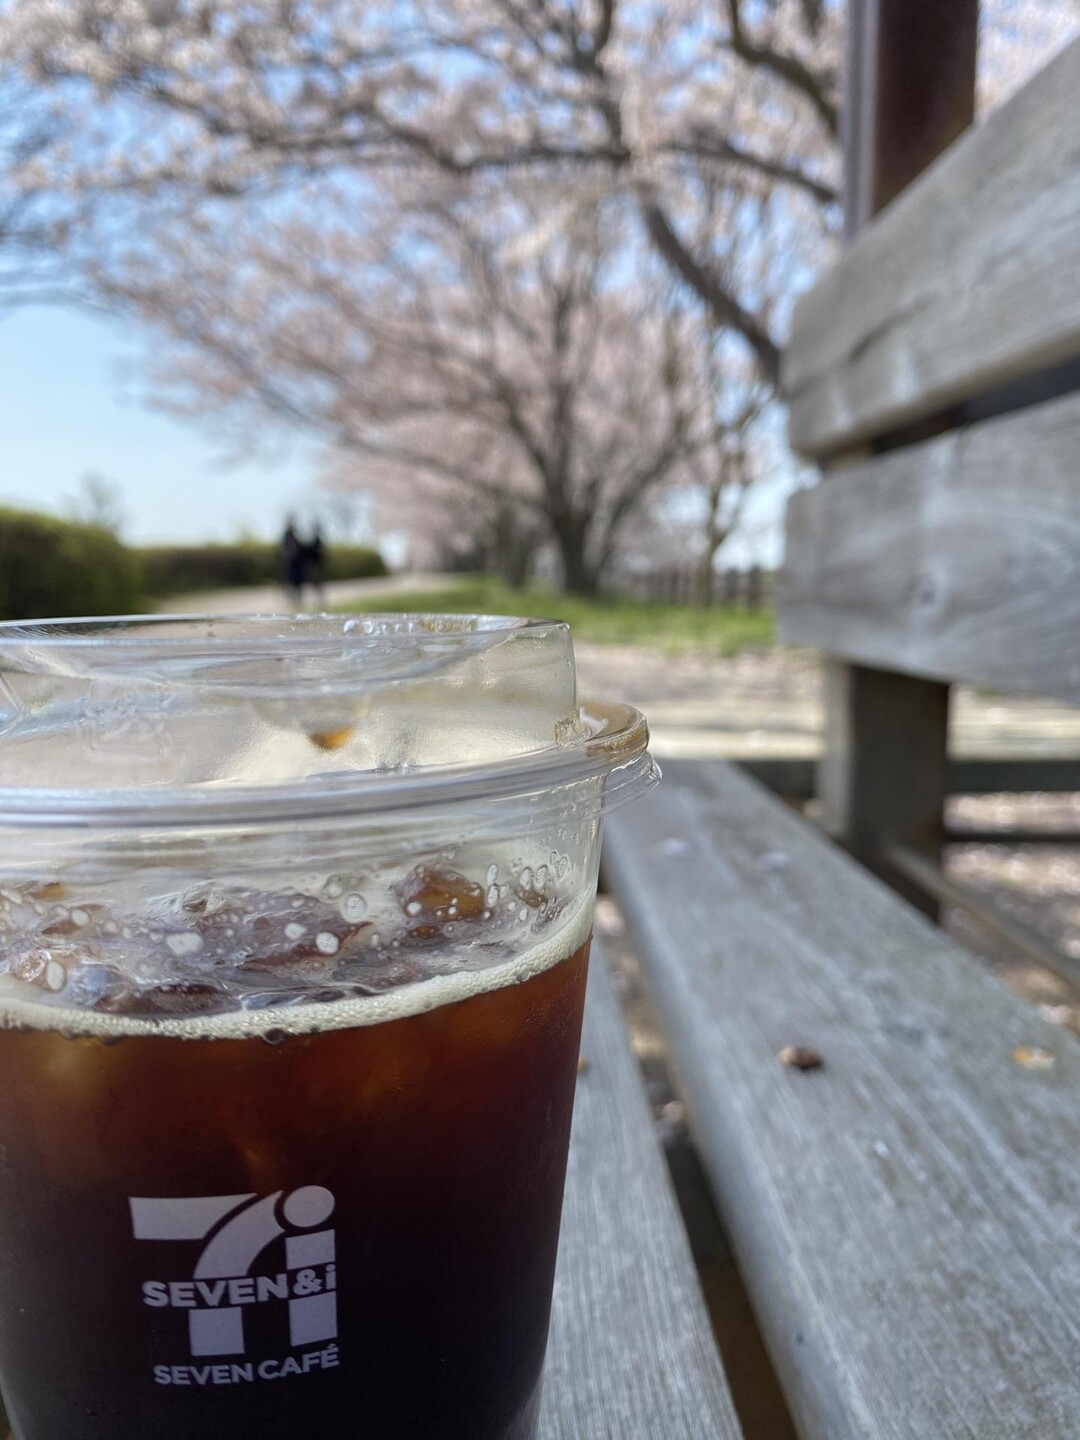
[236, 1230]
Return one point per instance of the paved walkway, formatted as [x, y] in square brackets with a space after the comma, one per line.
[272, 600]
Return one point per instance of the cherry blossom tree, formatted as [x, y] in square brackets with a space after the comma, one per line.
[653, 98]
[539, 386]
[215, 97]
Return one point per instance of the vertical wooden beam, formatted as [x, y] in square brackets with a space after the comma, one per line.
[910, 94]
[883, 777]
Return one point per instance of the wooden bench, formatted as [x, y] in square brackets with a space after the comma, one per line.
[934, 374]
[906, 1217]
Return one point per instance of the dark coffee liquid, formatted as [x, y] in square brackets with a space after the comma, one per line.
[343, 1234]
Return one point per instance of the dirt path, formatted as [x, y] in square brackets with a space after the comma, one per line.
[272, 600]
[769, 702]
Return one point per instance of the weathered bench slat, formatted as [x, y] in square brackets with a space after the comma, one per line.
[907, 1217]
[632, 1355]
[955, 559]
[970, 278]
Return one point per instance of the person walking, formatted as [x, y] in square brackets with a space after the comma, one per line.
[293, 564]
[315, 555]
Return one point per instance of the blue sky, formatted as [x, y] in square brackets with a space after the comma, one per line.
[66, 408]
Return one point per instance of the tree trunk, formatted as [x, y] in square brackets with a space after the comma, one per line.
[579, 576]
[705, 585]
[514, 564]
[513, 548]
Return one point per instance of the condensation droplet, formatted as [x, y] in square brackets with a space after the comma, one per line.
[413, 907]
[333, 889]
[326, 943]
[525, 878]
[80, 918]
[293, 931]
[354, 907]
[492, 874]
[523, 913]
[111, 927]
[492, 896]
[55, 975]
[186, 942]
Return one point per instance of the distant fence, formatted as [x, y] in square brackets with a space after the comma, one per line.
[751, 589]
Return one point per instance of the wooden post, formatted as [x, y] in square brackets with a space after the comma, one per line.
[911, 93]
[883, 777]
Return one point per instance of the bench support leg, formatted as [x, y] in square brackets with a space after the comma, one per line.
[883, 779]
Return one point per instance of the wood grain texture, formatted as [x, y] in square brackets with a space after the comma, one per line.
[631, 1355]
[906, 1218]
[955, 559]
[970, 278]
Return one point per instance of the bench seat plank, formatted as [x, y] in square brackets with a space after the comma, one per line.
[907, 1217]
[631, 1356]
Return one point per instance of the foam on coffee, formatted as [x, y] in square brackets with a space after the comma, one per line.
[20, 1008]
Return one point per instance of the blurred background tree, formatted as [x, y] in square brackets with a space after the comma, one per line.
[98, 502]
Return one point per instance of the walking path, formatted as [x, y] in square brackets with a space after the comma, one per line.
[272, 600]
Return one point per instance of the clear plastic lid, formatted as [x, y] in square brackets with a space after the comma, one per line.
[172, 720]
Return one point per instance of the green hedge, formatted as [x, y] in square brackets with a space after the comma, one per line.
[177, 569]
[354, 562]
[51, 567]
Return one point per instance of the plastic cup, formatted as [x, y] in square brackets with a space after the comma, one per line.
[294, 927]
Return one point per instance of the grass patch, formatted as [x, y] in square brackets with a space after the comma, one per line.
[721, 628]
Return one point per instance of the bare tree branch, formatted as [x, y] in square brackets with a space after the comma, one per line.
[817, 88]
[725, 308]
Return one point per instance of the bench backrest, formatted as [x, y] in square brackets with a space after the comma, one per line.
[957, 310]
